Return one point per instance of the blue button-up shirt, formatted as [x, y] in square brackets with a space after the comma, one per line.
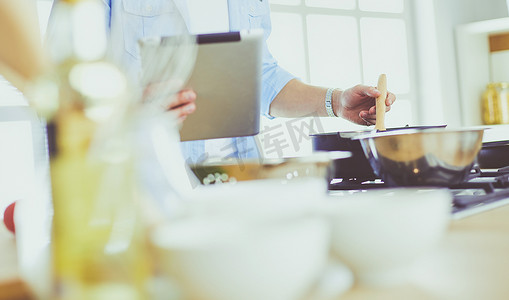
[130, 20]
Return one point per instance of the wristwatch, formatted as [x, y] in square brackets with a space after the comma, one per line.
[328, 102]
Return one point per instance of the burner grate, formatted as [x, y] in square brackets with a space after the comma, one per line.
[462, 202]
[482, 190]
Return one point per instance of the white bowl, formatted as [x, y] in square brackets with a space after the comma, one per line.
[379, 234]
[237, 245]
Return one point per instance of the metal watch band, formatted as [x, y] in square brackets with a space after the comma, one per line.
[328, 102]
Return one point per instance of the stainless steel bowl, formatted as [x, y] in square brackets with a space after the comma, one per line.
[356, 166]
[318, 164]
[422, 157]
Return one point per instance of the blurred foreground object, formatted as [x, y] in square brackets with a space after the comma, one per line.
[21, 55]
[98, 247]
[379, 234]
[231, 243]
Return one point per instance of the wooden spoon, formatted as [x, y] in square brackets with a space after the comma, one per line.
[380, 103]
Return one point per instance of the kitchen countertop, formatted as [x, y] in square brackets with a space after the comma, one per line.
[472, 262]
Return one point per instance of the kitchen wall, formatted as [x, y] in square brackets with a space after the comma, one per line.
[436, 58]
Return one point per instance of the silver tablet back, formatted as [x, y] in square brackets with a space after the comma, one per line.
[227, 81]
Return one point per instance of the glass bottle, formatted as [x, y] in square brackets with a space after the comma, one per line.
[495, 103]
[502, 89]
[490, 105]
[98, 245]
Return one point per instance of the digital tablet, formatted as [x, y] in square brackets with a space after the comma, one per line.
[227, 80]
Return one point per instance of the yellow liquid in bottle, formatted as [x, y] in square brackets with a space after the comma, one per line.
[490, 106]
[98, 246]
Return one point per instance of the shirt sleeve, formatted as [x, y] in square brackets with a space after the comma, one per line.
[274, 77]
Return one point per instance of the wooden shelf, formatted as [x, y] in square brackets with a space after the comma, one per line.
[499, 42]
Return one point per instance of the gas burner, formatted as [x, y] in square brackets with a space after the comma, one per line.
[466, 203]
[356, 183]
[484, 189]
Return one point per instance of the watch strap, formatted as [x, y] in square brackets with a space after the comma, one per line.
[328, 102]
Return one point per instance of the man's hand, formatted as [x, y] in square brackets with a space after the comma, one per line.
[357, 104]
[182, 104]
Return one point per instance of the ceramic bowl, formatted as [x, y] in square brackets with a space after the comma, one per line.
[233, 243]
[379, 234]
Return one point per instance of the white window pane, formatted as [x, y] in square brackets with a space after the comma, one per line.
[342, 4]
[392, 6]
[400, 114]
[285, 2]
[334, 51]
[384, 50]
[286, 43]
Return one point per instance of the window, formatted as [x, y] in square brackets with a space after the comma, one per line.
[341, 43]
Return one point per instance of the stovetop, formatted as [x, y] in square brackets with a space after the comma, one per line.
[484, 190]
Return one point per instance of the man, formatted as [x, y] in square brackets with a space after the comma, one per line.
[282, 94]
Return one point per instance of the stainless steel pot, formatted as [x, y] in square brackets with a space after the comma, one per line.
[356, 166]
[422, 157]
